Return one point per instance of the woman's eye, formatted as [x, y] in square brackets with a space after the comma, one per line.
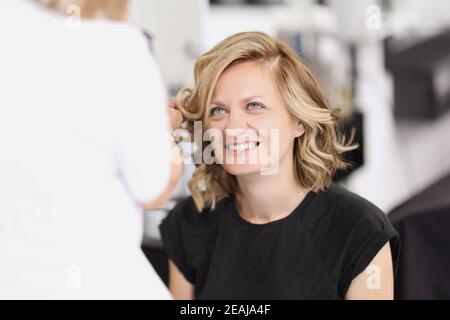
[254, 106]
[217, 111]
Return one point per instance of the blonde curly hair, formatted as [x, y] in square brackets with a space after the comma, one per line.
[317, 154]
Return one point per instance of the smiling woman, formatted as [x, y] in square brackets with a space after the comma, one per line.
[290, 88]
[289, 234]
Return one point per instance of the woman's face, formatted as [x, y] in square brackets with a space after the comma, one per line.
[257, 131]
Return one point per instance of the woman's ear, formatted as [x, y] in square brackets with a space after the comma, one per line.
[299, 129]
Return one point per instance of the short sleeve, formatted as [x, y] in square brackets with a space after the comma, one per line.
[365, 239]
[174, 231]
[142, 145]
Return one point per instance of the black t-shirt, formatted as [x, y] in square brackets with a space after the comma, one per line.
[313, 253]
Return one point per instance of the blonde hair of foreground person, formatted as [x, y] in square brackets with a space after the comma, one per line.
[90, 9]
[317, 155]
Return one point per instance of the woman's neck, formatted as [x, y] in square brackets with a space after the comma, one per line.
[266, 198]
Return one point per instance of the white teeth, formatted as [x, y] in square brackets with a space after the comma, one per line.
[242, 146]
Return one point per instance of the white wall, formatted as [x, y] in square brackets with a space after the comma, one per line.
[401, 158]
[175, 26]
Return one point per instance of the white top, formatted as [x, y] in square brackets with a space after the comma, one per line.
[82, 140]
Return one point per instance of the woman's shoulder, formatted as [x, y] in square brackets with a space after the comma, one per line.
[114, 41]
[348, 231]
[338, 215]
[338, 202]
[114, 32]
[186, 233]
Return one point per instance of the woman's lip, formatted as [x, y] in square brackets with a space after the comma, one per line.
[234, 144]
[241, 147]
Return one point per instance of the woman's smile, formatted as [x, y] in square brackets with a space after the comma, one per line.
[240, 148]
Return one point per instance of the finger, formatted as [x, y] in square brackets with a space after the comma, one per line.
[172, 104]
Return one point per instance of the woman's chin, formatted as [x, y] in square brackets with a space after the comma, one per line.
[242, 169]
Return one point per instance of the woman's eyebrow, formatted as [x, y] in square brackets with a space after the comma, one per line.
[217, 102]
[243, 101]
[248, 99]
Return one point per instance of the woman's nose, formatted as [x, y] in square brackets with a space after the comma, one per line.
[236, 129]
[236, 121]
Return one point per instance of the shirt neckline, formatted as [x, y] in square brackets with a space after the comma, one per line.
[257, 226]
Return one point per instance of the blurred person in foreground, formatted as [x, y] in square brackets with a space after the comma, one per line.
[84, 150]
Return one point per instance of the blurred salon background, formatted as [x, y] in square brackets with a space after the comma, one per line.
[386, 64]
